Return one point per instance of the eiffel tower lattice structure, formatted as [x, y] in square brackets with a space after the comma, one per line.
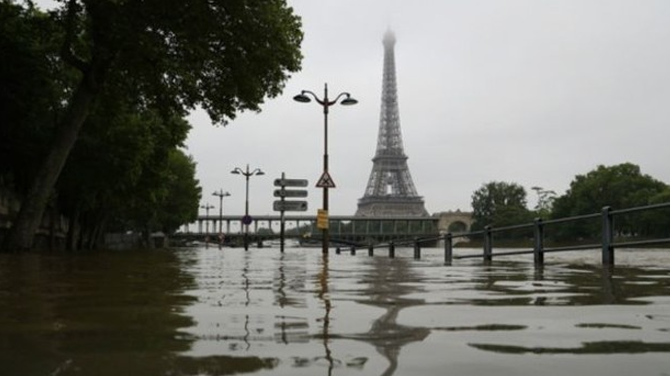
[390, 191]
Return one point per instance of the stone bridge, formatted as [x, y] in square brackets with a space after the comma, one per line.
[453, 221]
[354, 229]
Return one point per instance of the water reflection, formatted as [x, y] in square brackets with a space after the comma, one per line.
[288, 279]
[327, 306]
[216, 312]
[520, 284]
[387, 282]
[102, 314]
[602, 347]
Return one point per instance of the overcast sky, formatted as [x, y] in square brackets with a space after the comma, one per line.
[526, 91]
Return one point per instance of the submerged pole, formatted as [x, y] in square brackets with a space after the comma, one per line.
[448, 248]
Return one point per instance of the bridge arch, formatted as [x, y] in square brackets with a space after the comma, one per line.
[454, 221]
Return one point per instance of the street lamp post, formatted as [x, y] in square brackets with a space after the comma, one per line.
[304, 97]
[207, 206]
[246, 220]
[221, 194]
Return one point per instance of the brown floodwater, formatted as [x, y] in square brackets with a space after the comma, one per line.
[198, 311]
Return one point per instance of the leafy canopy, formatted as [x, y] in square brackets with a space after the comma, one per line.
[620, 186]
[225, 55]
[165, 56]
[499, 204]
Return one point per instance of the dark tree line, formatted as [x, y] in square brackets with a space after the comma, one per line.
[94, 95]
[622, 186]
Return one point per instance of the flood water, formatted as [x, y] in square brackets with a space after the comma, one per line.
[221, 312]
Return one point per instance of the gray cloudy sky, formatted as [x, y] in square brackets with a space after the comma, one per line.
[525, 91]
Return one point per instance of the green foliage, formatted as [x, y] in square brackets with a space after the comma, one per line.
[110, 64]
[265, 231]
[225, 55]
[620, 186]
[499, 204]
[657, 222]
[126, 172]
[545, 202]
[29, 92]
[180, 204]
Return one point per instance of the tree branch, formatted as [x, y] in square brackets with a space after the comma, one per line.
[70, 33]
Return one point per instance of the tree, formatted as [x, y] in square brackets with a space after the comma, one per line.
[656, 223]
[29, 97]
[499, 204]
[620, 186]
[180, 204]
[120, 172]
[170, 55]
[545, 202]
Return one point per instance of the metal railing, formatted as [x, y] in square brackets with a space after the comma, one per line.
[607, 245]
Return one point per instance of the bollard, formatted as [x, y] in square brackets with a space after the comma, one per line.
[608, 236]
[371, 250]
[488, 244]
[538, 244]
[391, 249]
[448, 249]
[353, 251]
[417, 249]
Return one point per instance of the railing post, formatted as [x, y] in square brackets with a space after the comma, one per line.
[371, 250]
[488, 244]
[448, 248]
[538, 246]
[608, 236]
[417, 249]
[391, 249]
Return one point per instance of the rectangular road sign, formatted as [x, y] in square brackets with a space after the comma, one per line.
[290, 182]
[289, 206]
[322, 219]
[290, 193]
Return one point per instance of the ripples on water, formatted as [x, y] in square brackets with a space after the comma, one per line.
[221, 312]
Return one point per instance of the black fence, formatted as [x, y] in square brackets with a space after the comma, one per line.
[537, 230]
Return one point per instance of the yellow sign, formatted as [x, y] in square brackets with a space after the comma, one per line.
[322, 219]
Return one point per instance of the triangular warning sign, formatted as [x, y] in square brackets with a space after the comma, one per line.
[325, 181]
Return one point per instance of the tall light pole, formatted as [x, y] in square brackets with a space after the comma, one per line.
[246, 220]
[207, 206]
[347, 100]
[221, 195]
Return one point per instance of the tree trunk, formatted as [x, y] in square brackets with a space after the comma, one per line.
[52, 228]
[97, 239]
[22, 233]
[73, 230]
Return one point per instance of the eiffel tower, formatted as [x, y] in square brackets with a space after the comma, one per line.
[390, 191]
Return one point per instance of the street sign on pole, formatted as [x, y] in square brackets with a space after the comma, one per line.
[290, 193]
[290, 182]
[325, 181]
[282, 205]
[322, 219]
